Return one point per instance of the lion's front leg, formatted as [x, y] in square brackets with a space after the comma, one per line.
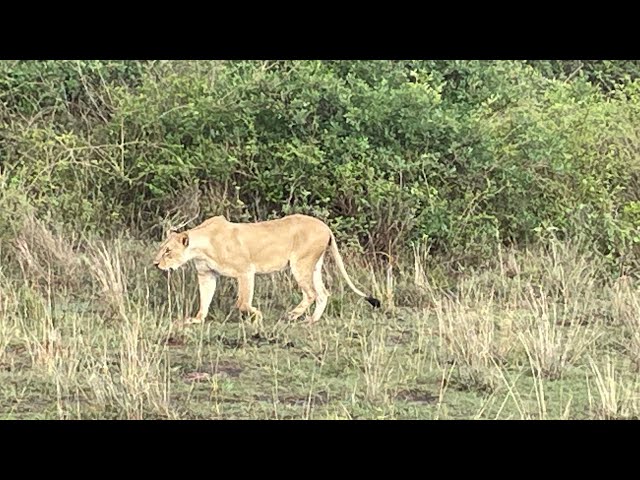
[245, 295]
[207, 282]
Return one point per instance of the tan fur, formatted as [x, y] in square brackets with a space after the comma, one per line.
[241, 250]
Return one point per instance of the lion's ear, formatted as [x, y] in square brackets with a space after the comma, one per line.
[185, 239]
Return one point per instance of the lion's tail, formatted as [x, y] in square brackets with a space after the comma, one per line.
[338, 259]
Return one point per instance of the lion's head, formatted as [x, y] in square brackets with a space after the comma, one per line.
[174, 252]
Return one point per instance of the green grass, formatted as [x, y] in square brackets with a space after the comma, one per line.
[87, 330]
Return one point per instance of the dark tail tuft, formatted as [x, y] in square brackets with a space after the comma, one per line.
[373, 301]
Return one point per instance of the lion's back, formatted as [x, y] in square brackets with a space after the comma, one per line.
[295, 225]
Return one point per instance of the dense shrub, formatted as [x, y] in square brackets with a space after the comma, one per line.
[464, 154]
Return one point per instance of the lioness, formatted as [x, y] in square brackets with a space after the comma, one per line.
[240, 250]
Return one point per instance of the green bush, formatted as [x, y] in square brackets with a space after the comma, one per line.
[462, 154]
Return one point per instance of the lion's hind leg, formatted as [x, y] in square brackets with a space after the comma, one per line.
[322, 295]
[313, 290]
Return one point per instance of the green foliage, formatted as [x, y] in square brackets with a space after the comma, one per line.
[466, 154]
[606, 74]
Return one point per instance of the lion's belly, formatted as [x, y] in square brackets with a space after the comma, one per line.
[264, 267]
[234, 267]
[268, 258]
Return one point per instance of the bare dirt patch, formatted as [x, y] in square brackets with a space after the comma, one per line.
[416, 396]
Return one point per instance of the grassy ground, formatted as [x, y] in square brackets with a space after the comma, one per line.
[87, 331]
